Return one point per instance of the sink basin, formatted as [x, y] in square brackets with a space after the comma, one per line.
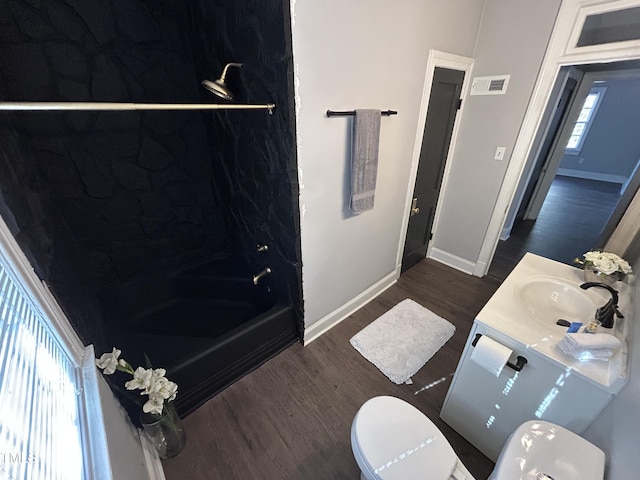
[548, 299]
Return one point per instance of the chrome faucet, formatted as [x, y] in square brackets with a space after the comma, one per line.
[258, 276]
[606, 313]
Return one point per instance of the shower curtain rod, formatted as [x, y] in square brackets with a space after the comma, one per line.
[104, 106]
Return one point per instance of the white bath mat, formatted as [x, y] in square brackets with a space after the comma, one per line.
[402, 340]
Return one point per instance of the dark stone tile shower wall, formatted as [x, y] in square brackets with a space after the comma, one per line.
[100, 198]
[257, 151]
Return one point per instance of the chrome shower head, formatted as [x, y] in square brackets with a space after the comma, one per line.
[219, 87]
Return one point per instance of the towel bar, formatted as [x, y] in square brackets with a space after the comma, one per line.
[332, 113]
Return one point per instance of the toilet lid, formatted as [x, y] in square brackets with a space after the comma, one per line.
[397, 441]
[539, 449]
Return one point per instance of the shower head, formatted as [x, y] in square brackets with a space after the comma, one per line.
[219, 87]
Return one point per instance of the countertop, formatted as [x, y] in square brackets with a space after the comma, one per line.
[506, 313]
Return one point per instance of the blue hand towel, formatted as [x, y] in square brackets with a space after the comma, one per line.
[364, 159]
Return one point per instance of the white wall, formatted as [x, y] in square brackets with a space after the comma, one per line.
[126, 453]
[361, 54]
[512, 40]
[616, 430]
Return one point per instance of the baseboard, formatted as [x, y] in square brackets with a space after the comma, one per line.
[151, 459]
[339, 314]
[480, 270]
[602, 177]
[452, 261]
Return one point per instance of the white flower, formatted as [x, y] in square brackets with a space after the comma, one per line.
[605, 265]
[150, 381]
[607, 262]
[624, 266]
[163, 387]
[591, 256]
[109, 361]
[154, 404]
[141, 379]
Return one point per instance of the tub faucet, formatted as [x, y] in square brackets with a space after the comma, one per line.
[258, 276]
[605, 313]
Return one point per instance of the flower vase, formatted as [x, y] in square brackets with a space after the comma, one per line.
[592, 274]
[164, 431]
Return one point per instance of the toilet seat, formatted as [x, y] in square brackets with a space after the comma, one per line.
[393, 440]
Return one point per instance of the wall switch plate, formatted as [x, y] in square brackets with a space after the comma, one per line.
[499, 153]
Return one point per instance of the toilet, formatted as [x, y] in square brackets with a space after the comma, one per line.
[393, 440]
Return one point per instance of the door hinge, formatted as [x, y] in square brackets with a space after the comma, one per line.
[430, 235]
[459, 105]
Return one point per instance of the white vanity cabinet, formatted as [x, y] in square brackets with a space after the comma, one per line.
[552, 386]
[486, 409]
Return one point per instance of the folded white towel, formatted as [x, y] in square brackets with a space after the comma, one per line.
[588, 346]
[591, 340]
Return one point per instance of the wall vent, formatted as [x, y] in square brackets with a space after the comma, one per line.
[496, 85]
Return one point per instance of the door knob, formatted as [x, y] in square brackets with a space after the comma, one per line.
[414, 207]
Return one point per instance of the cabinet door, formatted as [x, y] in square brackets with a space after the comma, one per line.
[486, 409]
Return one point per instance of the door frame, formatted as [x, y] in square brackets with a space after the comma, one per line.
[452, 62]
[561, 51]
[587, 83]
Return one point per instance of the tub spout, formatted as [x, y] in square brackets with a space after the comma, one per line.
[258, 276]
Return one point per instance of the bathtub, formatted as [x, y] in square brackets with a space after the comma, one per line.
[207, 325]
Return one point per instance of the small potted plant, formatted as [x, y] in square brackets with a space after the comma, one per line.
[604, 267]
[158, 417]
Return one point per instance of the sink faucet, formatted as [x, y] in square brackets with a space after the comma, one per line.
[605, 313]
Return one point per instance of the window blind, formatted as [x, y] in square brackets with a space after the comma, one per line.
[40, 409]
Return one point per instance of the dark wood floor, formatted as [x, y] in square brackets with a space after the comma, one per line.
[569, 224]
[291, 418]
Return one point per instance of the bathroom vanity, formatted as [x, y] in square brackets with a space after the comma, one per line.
[485, 408]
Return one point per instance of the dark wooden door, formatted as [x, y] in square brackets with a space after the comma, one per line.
[444, 102]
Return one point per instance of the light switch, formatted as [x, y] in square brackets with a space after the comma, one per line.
[499, 153]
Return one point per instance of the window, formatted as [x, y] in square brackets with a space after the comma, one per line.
[613, 26]
[585, 119]
[40, 405]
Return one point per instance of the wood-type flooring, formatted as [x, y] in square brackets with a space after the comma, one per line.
[291, 417]
[568, 225]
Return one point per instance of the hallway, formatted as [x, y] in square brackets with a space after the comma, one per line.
[569, 224]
